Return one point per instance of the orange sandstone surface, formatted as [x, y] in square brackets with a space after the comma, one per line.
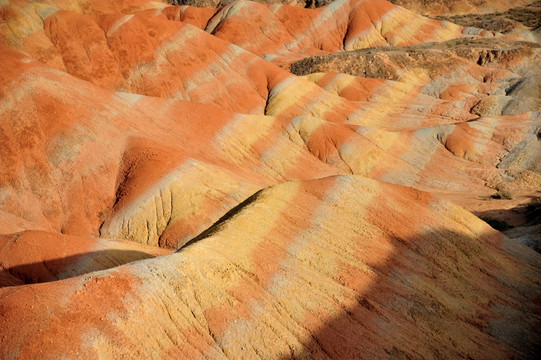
[252, 180]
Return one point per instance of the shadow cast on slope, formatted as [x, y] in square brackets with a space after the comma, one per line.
[421, 306]
[522, 214]
[214, 228]
[66, 267]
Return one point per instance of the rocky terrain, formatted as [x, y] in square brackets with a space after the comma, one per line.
[462, 7]
[273, 179]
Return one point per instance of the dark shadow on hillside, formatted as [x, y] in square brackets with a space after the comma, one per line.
[437, 297]
[521, 223]
[521, 215]
[221, 221]
[527, 235]
[70, 266]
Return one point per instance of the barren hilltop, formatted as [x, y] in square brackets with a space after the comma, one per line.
[297, 179]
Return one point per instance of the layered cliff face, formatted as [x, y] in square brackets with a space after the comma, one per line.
[251, 180]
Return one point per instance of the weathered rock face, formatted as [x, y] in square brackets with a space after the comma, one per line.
[304, 163]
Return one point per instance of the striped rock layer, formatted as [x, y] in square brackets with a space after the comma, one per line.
[261, 181]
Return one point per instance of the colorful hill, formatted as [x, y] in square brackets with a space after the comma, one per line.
[253, 180]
